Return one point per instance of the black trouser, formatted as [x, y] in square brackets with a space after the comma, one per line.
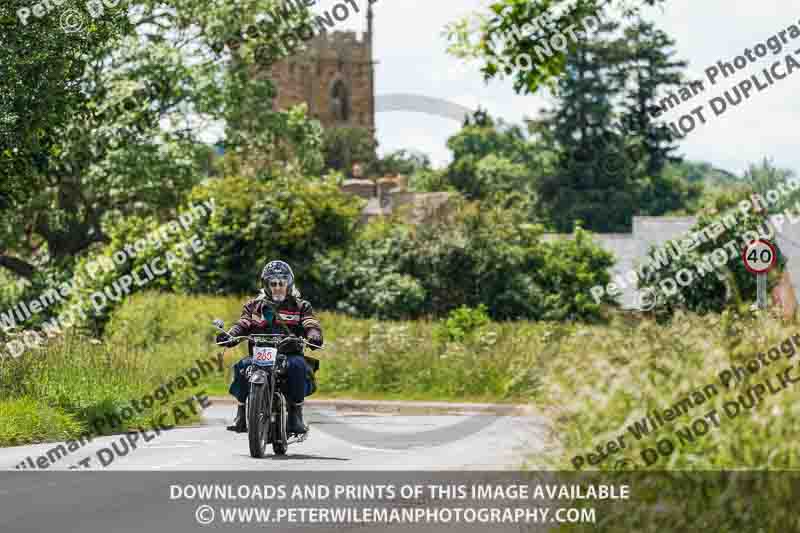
[297, 370]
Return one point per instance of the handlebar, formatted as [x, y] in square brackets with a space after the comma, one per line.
[259, 336]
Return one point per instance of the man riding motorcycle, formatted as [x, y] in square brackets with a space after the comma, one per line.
[277, 309]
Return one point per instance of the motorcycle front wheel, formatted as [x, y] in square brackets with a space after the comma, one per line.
[257, 420]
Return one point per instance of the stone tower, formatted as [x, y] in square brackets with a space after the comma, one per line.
[334, 76]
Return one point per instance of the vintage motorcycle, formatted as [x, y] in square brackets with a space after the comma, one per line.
[266, 406]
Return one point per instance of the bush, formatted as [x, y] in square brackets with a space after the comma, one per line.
[366, 279]
[463, 323]
[487, 255]
[256, 222]
[715, 291]
[99, 290]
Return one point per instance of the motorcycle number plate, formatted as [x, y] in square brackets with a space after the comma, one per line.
[264, 355]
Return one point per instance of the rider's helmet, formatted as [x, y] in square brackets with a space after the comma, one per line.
[277, 273]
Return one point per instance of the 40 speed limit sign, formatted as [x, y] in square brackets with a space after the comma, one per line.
[759, 258]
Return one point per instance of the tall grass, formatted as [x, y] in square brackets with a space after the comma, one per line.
[602, 379]
[599, 380]
[74, 380]
[154, 337]
[593, 381]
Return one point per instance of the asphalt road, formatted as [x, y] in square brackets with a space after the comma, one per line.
[341, 438]
[355, 444]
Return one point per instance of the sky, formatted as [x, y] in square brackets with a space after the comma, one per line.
[410, 50]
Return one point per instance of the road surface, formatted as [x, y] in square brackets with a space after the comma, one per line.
[140, 498]
[352, 438]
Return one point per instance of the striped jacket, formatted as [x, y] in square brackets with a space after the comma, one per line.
[294, 313]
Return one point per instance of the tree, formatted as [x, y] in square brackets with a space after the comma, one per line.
[592, 181]
[646, 70]
[401, 162]
[489, 157]
[612, 154]
[108, 125]
[345, 145]
[40, 65]
[41, 68]
[514, 29]
[764, 177]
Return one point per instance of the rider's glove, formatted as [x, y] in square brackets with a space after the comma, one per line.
[315, 337]
[225, 339]
[290, 345]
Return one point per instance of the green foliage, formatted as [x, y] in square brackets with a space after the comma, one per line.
[99, 290]
[667, 194]
[703, 172]
[488, 37]
[367, 278]
[647, 69]
[721, 186]
[486, 256]
[636, 367]
[765, 176]
[570, 268]
[463, 323]
[490, 157]
[434, 180]
[411, 360]
[401, 162]
[116, 113]
[71, 380]
[344, 146]
[610, 151]
[26, 420]
[598, 155]
[40, 69]
[255, 222]
[731, 284]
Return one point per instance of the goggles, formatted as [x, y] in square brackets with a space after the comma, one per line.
[280, 282]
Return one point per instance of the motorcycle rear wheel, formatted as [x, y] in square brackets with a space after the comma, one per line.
[279, 436]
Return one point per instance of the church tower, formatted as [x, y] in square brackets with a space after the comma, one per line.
[334, 76]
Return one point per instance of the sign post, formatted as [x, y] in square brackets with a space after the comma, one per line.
[759, 258]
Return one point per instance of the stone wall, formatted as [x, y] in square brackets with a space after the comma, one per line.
[388, 196]
[310, 76]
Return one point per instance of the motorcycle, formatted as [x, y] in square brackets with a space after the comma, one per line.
[266, 407]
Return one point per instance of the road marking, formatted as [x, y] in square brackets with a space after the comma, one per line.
[170, 447]
[367, 448]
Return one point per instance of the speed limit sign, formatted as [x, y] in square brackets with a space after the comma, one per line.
[759, 256]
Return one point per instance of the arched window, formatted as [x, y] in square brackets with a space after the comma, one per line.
[340, 101]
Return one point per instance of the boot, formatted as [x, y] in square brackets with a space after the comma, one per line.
[240, 422]
[296, 424]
